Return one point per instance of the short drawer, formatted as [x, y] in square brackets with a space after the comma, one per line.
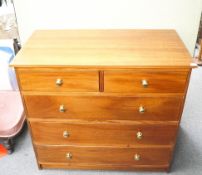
[67, 81]
[103, 107]
[103, 134]
[104, 155]
[145, 81]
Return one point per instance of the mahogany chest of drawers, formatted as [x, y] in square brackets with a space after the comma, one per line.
[103, 99]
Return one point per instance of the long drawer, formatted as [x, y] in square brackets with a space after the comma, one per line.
[145, 81]
[103, 107]
[104, 155]
[68, 81]
[103, 134]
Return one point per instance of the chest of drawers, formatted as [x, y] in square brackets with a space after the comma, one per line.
[103, 99]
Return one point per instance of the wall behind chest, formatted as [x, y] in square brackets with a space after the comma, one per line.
[181, 15]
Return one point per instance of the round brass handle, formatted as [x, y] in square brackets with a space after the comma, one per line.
[69, 156]
[62, 108]
[141, 109]
[66, 134]
[145, 83]
[59, 82]
[136, 157]
[139, 135]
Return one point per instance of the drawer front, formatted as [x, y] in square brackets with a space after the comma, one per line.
[103, 155]
[103, 134]
[145, 82]
[103, 107]
[69, 81]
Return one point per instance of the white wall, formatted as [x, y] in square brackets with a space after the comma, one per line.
[181, 15]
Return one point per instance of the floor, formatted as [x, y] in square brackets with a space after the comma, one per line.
[188, 153]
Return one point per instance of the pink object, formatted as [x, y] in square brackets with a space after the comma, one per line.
[11, 113]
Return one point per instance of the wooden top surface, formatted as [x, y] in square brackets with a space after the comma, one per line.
[100, 48]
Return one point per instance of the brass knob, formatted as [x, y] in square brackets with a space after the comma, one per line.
[69, 156]
[136, 157]
[62, 108]
[141, 109]
[59, 82]
[65, 134]
[139, 135]
[145, 83]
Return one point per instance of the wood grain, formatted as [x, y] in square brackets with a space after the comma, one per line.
[76, 81]
[102, 134]
[103, 48]
[103, 107]
[104, 155]
[158, 82]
